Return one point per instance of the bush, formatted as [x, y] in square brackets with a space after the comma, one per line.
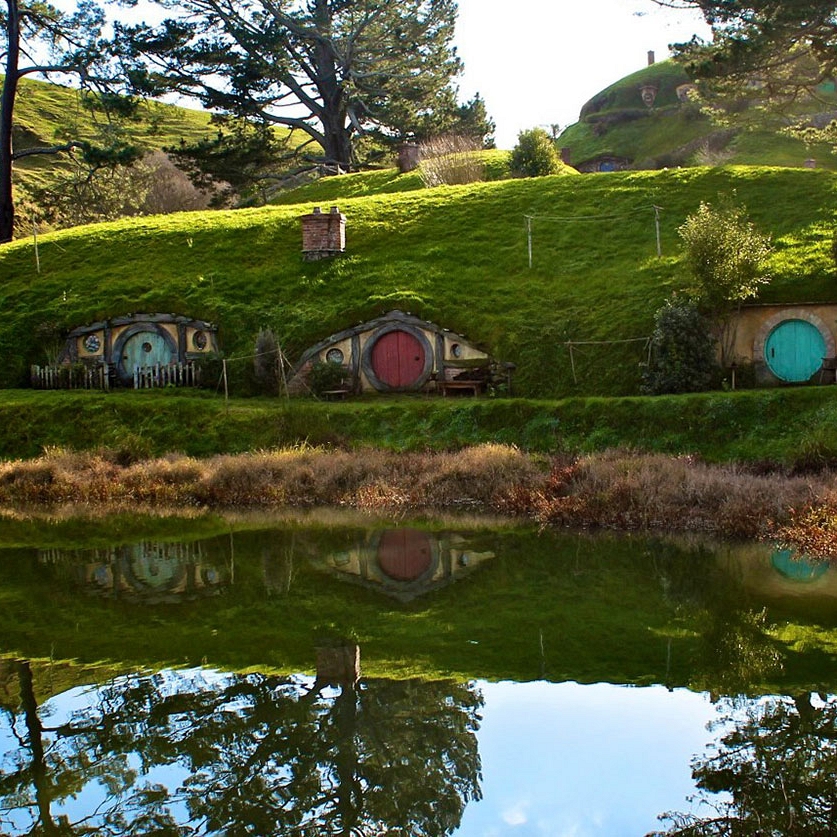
[324, 377]
[451, 161]
[266, 362]
[534, 155]
[682, 355]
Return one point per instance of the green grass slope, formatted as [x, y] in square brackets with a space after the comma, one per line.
[454, 255]
[46, 114]
[617, 123]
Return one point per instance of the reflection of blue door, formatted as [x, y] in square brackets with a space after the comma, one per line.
[145, 348]
[794, 350]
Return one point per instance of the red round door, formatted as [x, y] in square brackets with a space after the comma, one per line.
[404, 554]
[398, 359]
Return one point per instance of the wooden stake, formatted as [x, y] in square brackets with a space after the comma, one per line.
[35, 239]
[529, 237]
[226, 385]
[572, 363]
[657, 226]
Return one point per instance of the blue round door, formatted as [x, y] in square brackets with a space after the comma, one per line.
[794, 350]
[146, 348]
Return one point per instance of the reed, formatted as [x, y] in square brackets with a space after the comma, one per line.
[617, 489]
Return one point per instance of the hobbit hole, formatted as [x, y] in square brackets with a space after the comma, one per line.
[138, 350]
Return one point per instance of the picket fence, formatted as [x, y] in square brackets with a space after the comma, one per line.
[98, 377]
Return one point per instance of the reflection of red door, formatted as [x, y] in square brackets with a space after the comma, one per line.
[398, 359]
[404, 554]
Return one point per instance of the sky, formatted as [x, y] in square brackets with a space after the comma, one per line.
[536, 62]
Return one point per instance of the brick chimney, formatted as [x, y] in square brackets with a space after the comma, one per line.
[323, 235]
[651, 58]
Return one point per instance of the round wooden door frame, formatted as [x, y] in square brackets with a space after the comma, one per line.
[774, 321]
[366, 360]
[132, 331]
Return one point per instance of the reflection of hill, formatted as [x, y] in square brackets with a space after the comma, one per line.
[547, 605]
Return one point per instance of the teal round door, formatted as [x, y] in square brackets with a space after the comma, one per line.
[794, 350]
[145, 348]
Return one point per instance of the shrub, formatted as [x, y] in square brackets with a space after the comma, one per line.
[451, 160]
[266, 362]
[682, 357]
[323, 377]
[534, 155]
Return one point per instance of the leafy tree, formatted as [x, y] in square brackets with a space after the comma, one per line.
[775, 763]
[775, 52]
[534, 155]
[331, 69]
[725, 255]
[248, 754]
[73, 44]
[682, 357]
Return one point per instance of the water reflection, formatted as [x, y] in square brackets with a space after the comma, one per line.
[197, 752]
[150, 571]
[772, 771]
[406, 563]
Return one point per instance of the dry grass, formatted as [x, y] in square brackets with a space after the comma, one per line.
[618, 489]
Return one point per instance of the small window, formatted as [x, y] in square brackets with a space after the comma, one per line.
[334, 356]
[456, 350]
[199, 340]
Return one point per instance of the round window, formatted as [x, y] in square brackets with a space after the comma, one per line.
[334, 356]
[456, 350]
[199, 340]
[92, 343]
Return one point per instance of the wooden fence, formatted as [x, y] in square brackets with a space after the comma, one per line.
[79, 376]
[70, 377]
[168, 375]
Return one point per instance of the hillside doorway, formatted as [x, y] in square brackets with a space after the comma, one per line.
[399, 359]
[794, 350]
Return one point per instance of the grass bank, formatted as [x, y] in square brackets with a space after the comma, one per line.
[795, 428]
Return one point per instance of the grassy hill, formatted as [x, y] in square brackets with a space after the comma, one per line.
[455, 255]
[48, 113]
[617, 123]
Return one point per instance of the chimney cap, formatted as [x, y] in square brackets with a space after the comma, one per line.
[317, 210]
[335, 210]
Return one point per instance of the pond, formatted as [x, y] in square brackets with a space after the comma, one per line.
[336, 674]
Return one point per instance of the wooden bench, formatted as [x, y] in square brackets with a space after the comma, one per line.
[475, 387]
[335, 394]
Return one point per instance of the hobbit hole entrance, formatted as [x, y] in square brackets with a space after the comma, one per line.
[794, 350]
[398, 359]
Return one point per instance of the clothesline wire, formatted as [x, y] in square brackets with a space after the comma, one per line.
[592, 217]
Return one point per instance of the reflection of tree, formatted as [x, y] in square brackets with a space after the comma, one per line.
[248, 755]
[777, 764]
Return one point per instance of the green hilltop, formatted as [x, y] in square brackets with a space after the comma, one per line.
[453, 255]
[617, 123]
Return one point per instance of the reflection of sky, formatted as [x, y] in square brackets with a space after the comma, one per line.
[567, 760]
[563, 760]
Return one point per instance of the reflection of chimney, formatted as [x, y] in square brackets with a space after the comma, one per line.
[650, 57]
[323, 235]
[338, 663]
